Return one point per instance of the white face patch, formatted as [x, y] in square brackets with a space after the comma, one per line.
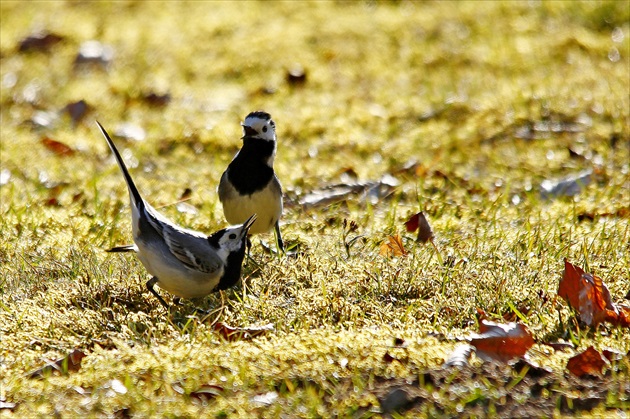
[231, 240]
[265, 128]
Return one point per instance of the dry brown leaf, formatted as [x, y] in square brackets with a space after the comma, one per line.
[41, 41]
[241, 333]
[412, 223]
[590, 297]
[569, 287]
[69, 363]
[157, 99]
[419, 222]
[57, 147]
[393, 247]
[588, 362]
[591, 216]
[502, 342]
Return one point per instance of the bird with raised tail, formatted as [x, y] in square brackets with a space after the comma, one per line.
[249, 184]
[184, 262]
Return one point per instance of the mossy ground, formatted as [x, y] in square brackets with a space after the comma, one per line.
[489, 99]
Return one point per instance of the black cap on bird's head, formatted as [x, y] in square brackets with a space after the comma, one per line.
[259, 125]
[259, 114]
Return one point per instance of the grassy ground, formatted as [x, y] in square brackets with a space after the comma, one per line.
[488, 99]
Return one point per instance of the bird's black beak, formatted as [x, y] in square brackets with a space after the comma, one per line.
[247, 224]
[249, 131]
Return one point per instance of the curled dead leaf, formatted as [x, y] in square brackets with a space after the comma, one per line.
[40, 41]
[412, 223]
[57, 147]
[589, 362]
[393, 247]
[157, 99]
[590, 297]
[502, 342]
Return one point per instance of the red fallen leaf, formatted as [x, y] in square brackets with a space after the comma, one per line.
[502, 342]
[388, 358]
[588, 362]
[206, 392]
[240, 333]
[400, 342]
[69, 363]
[52, 202]
[419, 222]
[57, 147]
[393, 247]
[412, 223]
[595, 302]
[569, 287]
[588, 294]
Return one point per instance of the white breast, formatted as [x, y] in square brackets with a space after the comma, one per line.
[265, 203]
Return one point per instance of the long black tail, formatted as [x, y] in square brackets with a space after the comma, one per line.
[136, 199]
[122, 249]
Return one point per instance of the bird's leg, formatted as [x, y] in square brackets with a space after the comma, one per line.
[279, 237]
[150, 283]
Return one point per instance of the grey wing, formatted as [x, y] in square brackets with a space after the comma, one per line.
[276, 186]
[192, 250]
[190, 247]
[226, 190]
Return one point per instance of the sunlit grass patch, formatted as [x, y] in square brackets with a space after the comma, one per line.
[470, 106]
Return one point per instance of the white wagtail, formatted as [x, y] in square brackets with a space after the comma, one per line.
[249, 184]
[184, 262]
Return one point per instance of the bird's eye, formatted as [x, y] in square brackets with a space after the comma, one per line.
[232, 236]
[264, 129]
